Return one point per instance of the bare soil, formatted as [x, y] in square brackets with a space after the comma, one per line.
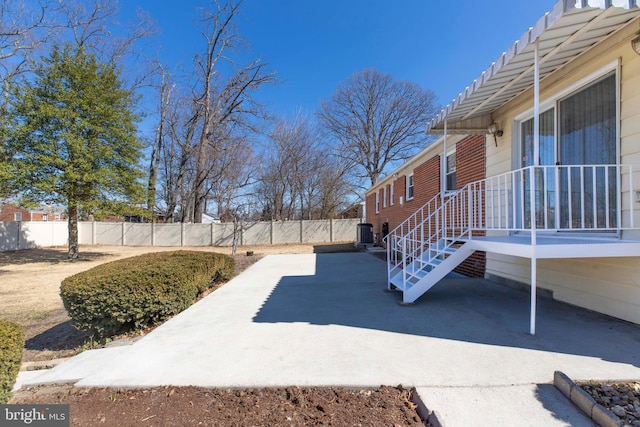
[29, 291]
[191, 406]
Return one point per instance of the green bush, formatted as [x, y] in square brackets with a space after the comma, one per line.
[11, 344]
[137, 292]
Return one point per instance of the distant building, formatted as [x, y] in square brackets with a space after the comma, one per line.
[11, 212]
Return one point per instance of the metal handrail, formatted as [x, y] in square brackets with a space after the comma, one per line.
[563, 197]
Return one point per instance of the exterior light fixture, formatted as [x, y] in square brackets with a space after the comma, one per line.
[635, 43]
[494, 130]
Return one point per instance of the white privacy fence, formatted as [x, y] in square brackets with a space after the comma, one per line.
[25, 235]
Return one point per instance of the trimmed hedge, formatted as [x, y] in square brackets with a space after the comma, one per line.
[133, 293]
[11, 344]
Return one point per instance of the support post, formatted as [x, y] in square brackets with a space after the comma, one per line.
[532, 319]
[443, 160]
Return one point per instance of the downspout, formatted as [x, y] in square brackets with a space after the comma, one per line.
[532, 185]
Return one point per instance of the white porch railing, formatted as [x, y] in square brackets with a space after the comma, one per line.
[565, 197]
[586, 198]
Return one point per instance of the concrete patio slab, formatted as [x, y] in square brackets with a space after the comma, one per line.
[325, 320]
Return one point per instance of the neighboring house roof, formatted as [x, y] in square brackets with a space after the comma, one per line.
[208, 218]
[572, 27]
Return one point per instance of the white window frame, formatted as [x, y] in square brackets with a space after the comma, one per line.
[391, 194]
[554, 100]
[45, 217]
[384, 197]
[377, 201]
[410, 187]
[17, 216]
[58, 217]
[446, 170]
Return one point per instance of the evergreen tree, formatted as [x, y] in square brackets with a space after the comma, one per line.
[77, 137]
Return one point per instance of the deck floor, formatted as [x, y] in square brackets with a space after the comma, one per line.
[557, 246]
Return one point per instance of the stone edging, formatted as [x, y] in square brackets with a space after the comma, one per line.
[425, 414]
[598, 413]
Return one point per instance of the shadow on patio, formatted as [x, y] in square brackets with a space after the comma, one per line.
[347, 289]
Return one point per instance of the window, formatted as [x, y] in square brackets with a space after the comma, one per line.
[451, 172]
[410, 187]
[384, 197]
[17, 216]
[45, 217]
[58, 217]
[578, 127]
[377, 201]
[391, 195]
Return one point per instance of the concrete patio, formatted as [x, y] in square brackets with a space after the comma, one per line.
[325, 320]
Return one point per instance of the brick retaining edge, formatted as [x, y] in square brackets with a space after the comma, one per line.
[598, 413]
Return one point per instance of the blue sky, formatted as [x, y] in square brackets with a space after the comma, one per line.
[314, 45]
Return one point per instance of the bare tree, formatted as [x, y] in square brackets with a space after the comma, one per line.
[23, 29]
[377, 120]
[301, 176]
[91, 24]
[166, 88]
[221, 101]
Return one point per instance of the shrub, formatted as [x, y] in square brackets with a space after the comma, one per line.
[141, 291]
[11, 344]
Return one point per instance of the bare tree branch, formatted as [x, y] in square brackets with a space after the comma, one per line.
[377, 120]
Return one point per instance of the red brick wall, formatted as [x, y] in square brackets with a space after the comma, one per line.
[470, 163]
[7, 212]
[470, 167]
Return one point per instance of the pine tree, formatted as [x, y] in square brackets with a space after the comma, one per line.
[75, 127]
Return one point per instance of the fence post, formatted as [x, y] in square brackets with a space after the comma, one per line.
[123, 232]
[271, 232]
[19, 234]
[153, 233]
[301, 232]
[93, 232]
[331, 230]
[182, 234]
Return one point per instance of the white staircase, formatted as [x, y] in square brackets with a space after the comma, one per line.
[429, 244]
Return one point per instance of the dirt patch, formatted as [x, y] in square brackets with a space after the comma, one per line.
[191, 406]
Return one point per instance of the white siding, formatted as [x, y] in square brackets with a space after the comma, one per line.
[606, 285]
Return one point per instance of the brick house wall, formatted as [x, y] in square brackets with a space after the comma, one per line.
[470, 167]
[8, 211]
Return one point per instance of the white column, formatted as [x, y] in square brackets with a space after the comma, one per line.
[443, 161]
[532, 186]
[532, 319]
